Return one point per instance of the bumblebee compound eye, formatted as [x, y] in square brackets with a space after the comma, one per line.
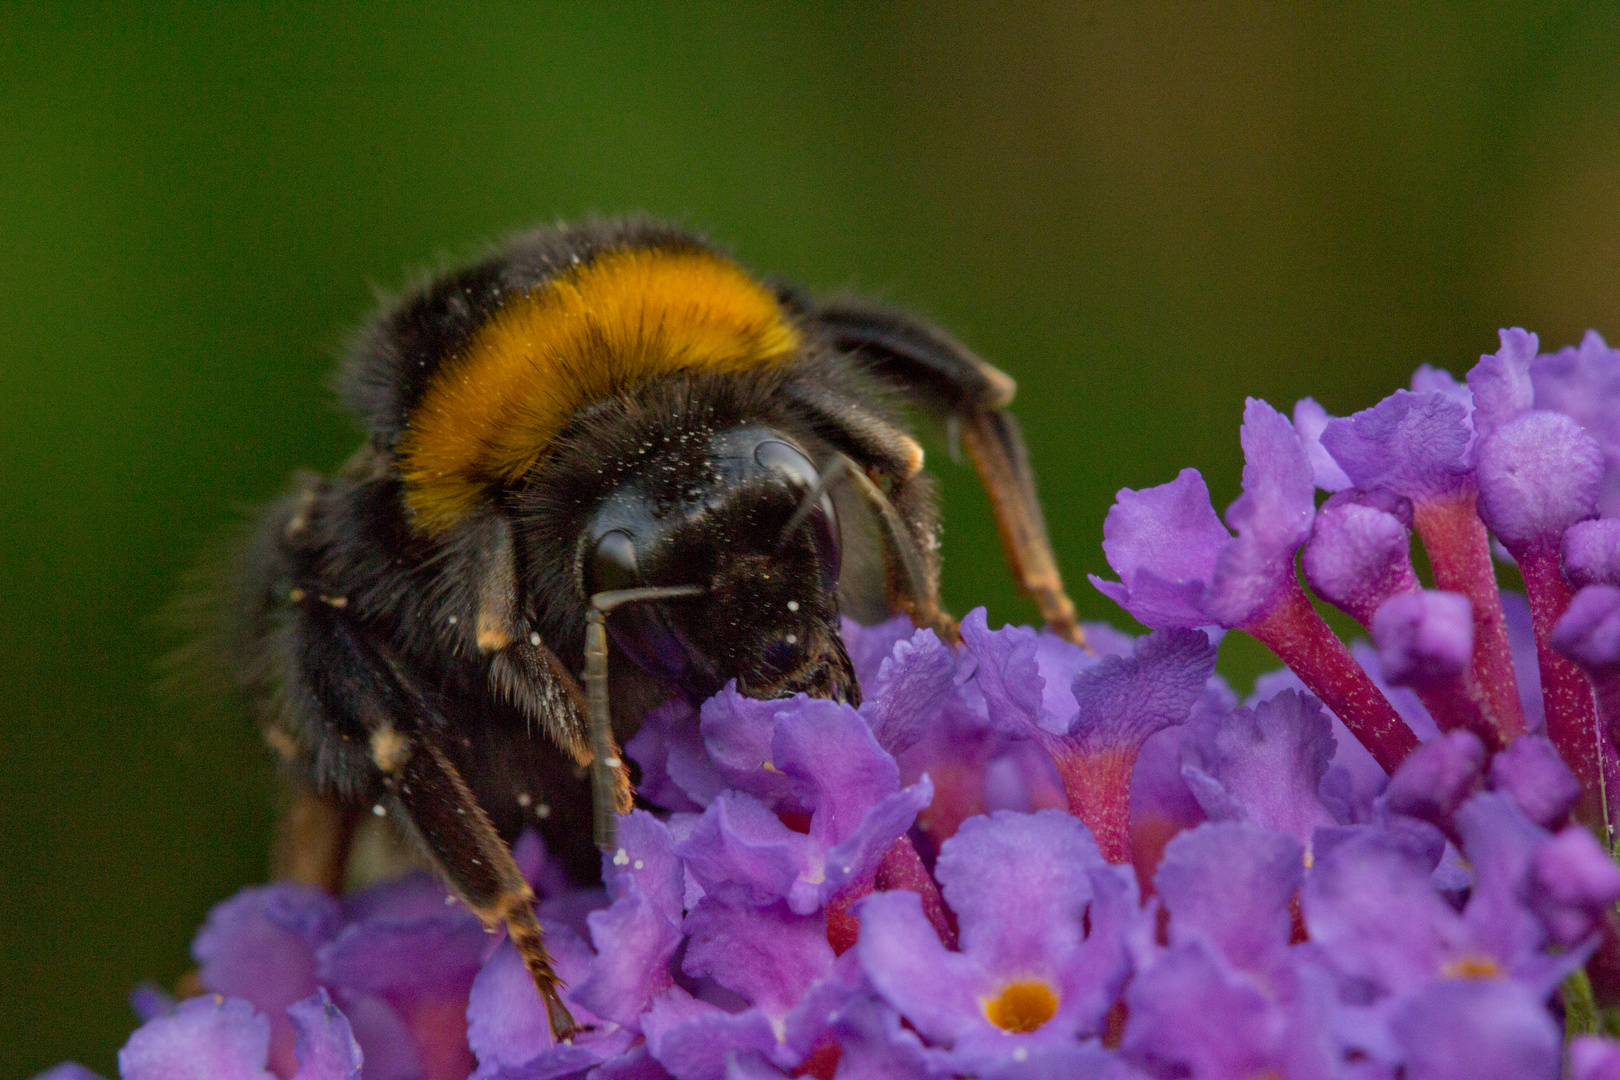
[636, 628]
[821, 518]
[613, 564]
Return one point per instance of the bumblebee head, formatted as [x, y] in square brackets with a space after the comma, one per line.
[742, 514]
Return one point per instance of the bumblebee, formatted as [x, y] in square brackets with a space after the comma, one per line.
[603, 468]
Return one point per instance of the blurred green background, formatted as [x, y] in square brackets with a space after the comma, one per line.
[1143, 212]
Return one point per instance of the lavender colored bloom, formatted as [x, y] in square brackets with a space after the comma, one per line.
[1179, 566]
[1539, 473]
[1027, 974]
[225, 1039]
[1223, 998]
[1424, 637]
[1575, 884]
[1359, 552]
[1592, 1058]
[1414, 445]
[820, 756]
[1456, 1029]
[1437, 779]
[1590, 553]
[1584, 383]
[1118, 703]
[1500, 383]
[1310, 420]
[1532, 774]
[1589, 631]
[1264, 765]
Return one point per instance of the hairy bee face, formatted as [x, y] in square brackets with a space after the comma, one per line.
[741, 514]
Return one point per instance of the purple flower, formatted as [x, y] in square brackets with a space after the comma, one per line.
[1590, 553]
[1028, 974]
[1591, 1058]
[1359, 554]
[1179, 568]
[1584, 383]
[1118, 703]
[818, 755]
[1531, 773]
[225, 1038]
[1264, 765]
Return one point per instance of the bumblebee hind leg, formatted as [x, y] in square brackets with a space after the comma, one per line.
[942, 374]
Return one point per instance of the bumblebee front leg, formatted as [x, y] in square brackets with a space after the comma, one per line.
[476, 862]
[370, 700]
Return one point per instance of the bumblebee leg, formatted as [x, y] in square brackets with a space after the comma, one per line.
[313, 839]
[940, 372]
[364, 689]
[476, 862]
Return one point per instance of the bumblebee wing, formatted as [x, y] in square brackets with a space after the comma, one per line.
[940, 373]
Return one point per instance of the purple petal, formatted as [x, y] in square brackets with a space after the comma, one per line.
[1534, 775]
[506, 1020]
[635, 939]
[1432, 380]
[875, 1044]
[67, 1070]
[694, 1040]
[1592, 1058]
[769, 955]
[1163, 542]
[1591, 553]
[1500, 843]
[1575, 883]
[433, 957]
[675, 772]
[646, 855]
[1272, 519]
[937, 990]
[1008, 674]
[1424, 637]
[260, 945]
[1048, 853]
[1457, 1029]
[869, 646]
[910, 691]
[1412, 444]
[1437, 778]
[220, 1038]
[737, 733]
[1539, 474]
[740, 848]
[1121, 701]
[1369, 905]
[1230, 884]
[856, 856]
[1188, 1017]
[834, 765]
[1501, 384]
[1584, 383]
[1310, 420]
[1265, 764]
[1360, 552]
[1589, 631]
[326, 1046]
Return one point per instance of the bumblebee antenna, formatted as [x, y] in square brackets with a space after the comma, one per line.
[605, 761]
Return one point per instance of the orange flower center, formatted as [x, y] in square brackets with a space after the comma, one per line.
[1021, 1006]
[1472, 967]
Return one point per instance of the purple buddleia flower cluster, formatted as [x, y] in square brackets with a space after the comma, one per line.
[1022, 858]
